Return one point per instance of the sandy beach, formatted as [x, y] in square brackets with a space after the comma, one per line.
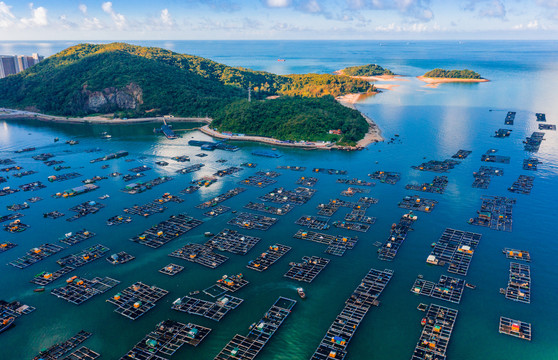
[374, 133]
[435, 82]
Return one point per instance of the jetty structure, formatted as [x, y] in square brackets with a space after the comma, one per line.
[249, 346]
[337, 338]
[166, 130]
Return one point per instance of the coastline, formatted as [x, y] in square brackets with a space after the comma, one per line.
[434, 82]
[375, 77]
[374, 133]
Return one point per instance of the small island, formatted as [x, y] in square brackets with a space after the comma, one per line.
[365, 70]
[437, 76]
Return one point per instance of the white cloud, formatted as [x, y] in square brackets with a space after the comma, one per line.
[38, 17]
[278, 3]
[6, 16]
[83, 8]
[411, 28]
[417, 9]
[92, 24]
[531, 25]
[119, 19]
[166, 18]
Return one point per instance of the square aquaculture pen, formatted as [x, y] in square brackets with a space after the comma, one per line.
[502, 133]
[269, 174]
[252, 221]
[541, 117]
[533, 142]
[171, 269]
[35, 255]
[313, 222]
[436, 333]
[217, 210]
[6, 245]
[397, 236]
[213, 310]
[201, 254]
[531, 164]
[118, 220]
[120, 258]
[269, 208]
[519, 283]
[495, 213]
[136, 300]
[10, 217]
[232, 241]
[258, 181]
[77, 237]
[517, 254]
[448, 288]
[510, 117]
[130, 177]
[417, 203]
[456, 248]
[78, 290]
[308, 269]
[145, 210]
[522, 185]
[386, 177]
[84, 209]
[53, 215]
[268, 258]
[351, 191]
[547, 127]
[516, 328]
[307, 181]
[461, 154]
[166, 231]
[490, 157]
[438, 185]
[336, 244]
[484, 175]
[329, 171]
[354, 182]
[232, 283]
[359, 215]
[139, 169]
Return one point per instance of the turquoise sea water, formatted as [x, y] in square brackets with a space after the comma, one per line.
[432, 123]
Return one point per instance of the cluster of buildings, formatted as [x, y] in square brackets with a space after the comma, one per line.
[13, 64]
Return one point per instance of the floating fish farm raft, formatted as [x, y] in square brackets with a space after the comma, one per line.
[351, 191]
[437, 166]
[359, 215]
[9, 217]
[231, 283]
[83, 353]
[16, 226]
[533, 142]
[293, 168]
[217, 210]
[516, 328]
[76, 191]
[171, 269]
[11, 168]
[523, 185]
[354, 182]
[337, 338]
[448, 288]
[24, 173]
[136, 300]
[249, 165]
[397, 236]
[130, 177]
[53, 215]
[120, 258]
[25, 150]
[416, 203]
[484, 175]
[336, 244]
[204, 181]
[308, 269]
[14, 309]
[219, 199]
[252, 221]
[78, 290]
[436, 333]
[307, 181]
[330, 171]
[299, 196]
[139, 187]
[438, 185]
[111, 156]
[517, 254]
[510, 117]
[84, 256]
[118, 220]
[145, 210]
[35, 255]
[35, 199]
[32, 186]
[268, 258]
[541, 117]
[258, 181]
[519, 283]
[139, 169]
[313, 222]
[6, 245]
[531, 164]
[8, 191]
[267, 154]
[503, 133]
[2, 179]
[17, 207]
[86, 208]
[461, 154]
[190, 189]
[232, 241]
[386, 177]
[346, 225]
[200, 254]
[63, 177]
[77, 237]
[495, 213]
[490, 157]
[170, 229]
[45, 277]
[228, 171]
[56, 351]
[456, 248]
[547, 127]
[181, 158]
[94, 179]
[212, 310]
[42, 157]
[166, 339]
[249, 346]
[269, 209]
[270, 174]
[6, 162]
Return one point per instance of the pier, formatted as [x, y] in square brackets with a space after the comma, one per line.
[337, 338]
[308, 269]
[200, 254]
[268, 258]
[249, 346]
[495, 213]
[78, 290]
[436, 333]
[136, 300]
[397, 236]
[166, 339]
[232, 241]
[516, 328]
[438, 185]
[456, 248]
[448, 288]
[166, 231]
[212, 310]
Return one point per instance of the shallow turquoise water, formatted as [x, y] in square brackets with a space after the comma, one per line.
[432, 124]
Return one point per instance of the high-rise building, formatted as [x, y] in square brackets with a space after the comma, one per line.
[12, 64]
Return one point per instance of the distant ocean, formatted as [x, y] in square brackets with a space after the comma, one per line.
[430, 124]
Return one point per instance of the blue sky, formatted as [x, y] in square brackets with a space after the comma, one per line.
[278, 19]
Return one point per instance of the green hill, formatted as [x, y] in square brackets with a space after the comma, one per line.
[453, 74]
[366, 70]
[134, 81]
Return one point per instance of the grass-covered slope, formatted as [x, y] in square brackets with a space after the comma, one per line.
[292, 118]
[453, 74]
[366, 70]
